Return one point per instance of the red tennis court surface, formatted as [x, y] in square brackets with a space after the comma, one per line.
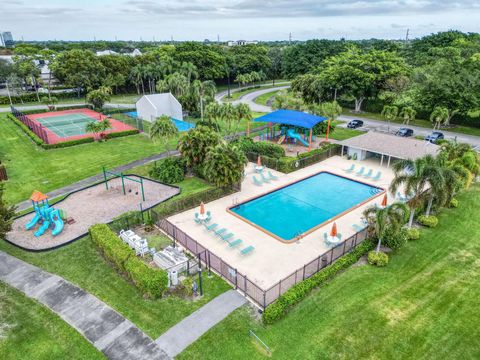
[60, 126]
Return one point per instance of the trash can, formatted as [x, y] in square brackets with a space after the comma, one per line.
[174, 278]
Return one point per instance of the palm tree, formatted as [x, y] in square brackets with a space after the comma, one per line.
[381, 219]
[243, 113]
[94, 127]
[136, 77]
[196, 143]
[103, 126]
[415, 176]
[439, 116]
[203, 90]
[390, 113]
[224, 164]
[408, 114]
[331, 110]
[163, 129]
[189, 70]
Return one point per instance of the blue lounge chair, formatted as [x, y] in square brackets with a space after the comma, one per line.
[235, 243]
[211, 226]
[220, 231]
[378, 176]
[271, 176]
[264, 178]
[256, 181]
[325, 238]
[360, 172]
[198, 221]
[368, 174]
[350, 169]
[247, 250]
[226, 237]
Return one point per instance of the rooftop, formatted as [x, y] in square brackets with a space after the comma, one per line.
[391, 145]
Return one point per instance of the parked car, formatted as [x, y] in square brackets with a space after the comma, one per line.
[355, 124]
[435, 136]
[404, 132]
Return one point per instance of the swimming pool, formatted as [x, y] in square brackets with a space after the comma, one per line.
[301, 207]
[180, 124]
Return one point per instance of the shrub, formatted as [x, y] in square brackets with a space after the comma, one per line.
[413, 234]
[395, 239]
[453, 203]
[280, 307]
[377, 258]
[247, 145]
[65, 144]
[111, 247]
[121, 134]
[428, 221]
[170, 170]
[151, 282]
[321, 128]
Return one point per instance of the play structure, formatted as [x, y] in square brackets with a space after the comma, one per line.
[290, 127]
[45, 215]
[114, 175]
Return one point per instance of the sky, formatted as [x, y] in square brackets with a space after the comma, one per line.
[234, 19]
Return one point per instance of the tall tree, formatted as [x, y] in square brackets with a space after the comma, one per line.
[408, 114]
[163, 129]
[225, 164]
[439, 116]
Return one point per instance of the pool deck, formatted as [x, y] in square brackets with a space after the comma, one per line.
[273, 260]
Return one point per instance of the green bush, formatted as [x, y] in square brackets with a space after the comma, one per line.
[36, 139]
[151, 282]
[413, 234]
[395, 239]
[454, 203]
[111, 247]
[321, 128]
[280, 307]
[169, 171]
[118, 134]
[247, 145]
[428, 221]
[377, 258]
[65, 144]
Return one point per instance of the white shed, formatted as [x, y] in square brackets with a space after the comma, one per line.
[150, 107]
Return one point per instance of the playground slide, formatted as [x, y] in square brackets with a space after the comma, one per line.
[33, 222]
[42, 229]
[291, 133]
[57, 221]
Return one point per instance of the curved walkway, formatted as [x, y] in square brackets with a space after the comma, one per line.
[106, 329]
[250, 97]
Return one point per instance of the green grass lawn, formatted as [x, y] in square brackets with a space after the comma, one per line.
[263, 99]
[31, 168]
[81, 264]
[417, 122]
[423, 305]
[341, 133]
[28, 330]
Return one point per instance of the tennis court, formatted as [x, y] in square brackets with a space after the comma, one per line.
[67, 125]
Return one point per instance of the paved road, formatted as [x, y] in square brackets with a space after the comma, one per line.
[187, 331]
[112, 334]
[44, 107]
[249, 99]
[382, 126]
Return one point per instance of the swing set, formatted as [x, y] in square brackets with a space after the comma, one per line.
[114, 175]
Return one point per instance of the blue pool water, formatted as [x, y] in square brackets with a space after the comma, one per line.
[299, 207]
[180, 124]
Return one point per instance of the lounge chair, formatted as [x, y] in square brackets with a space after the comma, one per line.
[325, 238]
[198, 221]
[220, 231]
[378, 176]
[226, 237]
[271, 176]
[264, 178]
[360, 172]
[368, 174]
[247, 250]
[350, 169]
[256, 181]
[211, 226]
[234, 243]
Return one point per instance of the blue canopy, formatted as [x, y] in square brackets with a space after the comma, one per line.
[292, 117]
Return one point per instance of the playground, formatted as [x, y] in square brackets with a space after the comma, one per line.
[100, 203]
[292, 130]
[67, 125]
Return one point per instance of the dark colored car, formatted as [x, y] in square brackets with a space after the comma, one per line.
[355, 124]
[435, 137]
[404, 132]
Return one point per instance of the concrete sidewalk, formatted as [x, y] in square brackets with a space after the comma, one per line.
[107, 330]
[180, 336]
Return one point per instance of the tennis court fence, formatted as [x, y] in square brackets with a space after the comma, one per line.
[262, 297]
[37, 128]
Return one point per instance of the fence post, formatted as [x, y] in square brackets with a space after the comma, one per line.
[318, 264]
[264, 301]
[279, 287]
[245, 284]
[209, 266]
[174, 235]
[236, 279]
[304, 271]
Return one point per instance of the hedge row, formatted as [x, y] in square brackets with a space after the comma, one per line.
[280, 307]
[72, 107]
[150, 281]
[121, 134]
[262, 148]
[32, 97]
[26, 130]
